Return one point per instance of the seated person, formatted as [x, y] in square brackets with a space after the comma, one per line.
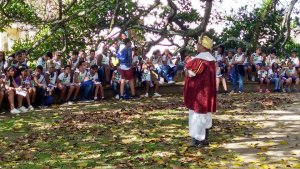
[150, 79]
[64, 85]
[40, 85]
[98, 88]
[42, 61]
[26, 84]
[292, 76]
[82, 82]
[263, 78]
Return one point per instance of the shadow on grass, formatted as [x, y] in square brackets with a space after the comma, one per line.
[136, 134]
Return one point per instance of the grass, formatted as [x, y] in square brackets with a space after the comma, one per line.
[149, 133]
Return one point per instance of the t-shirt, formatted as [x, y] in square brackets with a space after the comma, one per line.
[74, 63]
[105, 59]
[42, 62]
[229, 59]
[41, 80]
[238, 58]
[57, 64]
[295, 61]
[82, 75]
[52, 77]
[291, 71]
[117, 76]
[1, 67]
[94, 77]
[271, 73]
[146, 76]
[262, 73]
[92, 61]
[65, 79]
[156, 62]
[25, 82]
[218, 57]
[257, 58]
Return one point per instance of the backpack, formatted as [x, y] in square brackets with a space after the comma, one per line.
[124, 57]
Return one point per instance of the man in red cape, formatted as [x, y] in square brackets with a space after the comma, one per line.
[200, 91]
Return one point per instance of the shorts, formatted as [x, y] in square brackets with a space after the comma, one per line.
[127, 74]
[264, 80]
[294, 78]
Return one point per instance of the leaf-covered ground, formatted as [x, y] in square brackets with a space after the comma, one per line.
[250, 131]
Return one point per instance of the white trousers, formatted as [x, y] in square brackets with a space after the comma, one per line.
[198, 123]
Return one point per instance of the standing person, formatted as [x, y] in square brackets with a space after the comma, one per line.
[239, 72]
[220, 79]
[103, 61]
[200, 92]
[125, 58]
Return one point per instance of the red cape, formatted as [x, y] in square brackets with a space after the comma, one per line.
[200, 90]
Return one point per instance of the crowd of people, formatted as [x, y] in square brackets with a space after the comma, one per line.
[121, 67]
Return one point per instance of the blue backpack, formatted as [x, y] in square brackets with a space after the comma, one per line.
[124, 57]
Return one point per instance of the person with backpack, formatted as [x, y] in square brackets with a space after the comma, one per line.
[125, 58]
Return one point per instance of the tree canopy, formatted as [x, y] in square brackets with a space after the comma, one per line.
[75, 24]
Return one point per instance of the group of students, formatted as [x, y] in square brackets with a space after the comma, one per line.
[82, 76]
[258, 66]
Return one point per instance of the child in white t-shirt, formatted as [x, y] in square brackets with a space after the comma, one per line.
[98, 88]
[263, 78]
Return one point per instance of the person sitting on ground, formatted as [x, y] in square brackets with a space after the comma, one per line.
[26, 84]
[263, 78]
[42, 61]
[98, 88]
[64, 85]
[11, 89]
[82, 82]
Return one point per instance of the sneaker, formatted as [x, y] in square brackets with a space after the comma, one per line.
[283, 90]
[15, 111]
[87, 101]
[240, 92]
[171, 82]
[117, 97]
[146, 95]
[157, 95]
[288, 90]
[253, 79]
[23, 109]
[267, 91]
[69, 103]
[260, 90]
[232, 92]
[30, 108]
[161, 83]
[121, 97]
[95, 98]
